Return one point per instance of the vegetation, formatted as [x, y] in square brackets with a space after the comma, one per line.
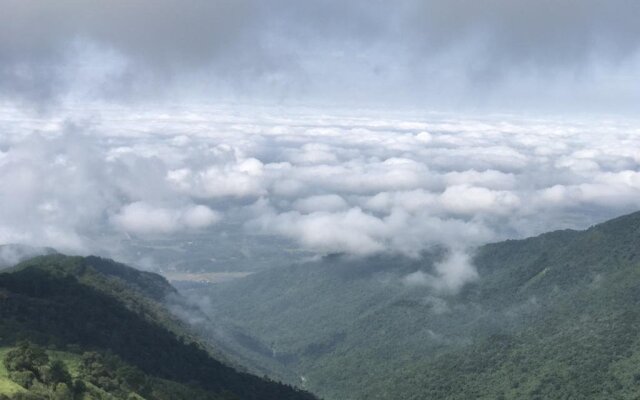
[555, 316]
[109, 320]
[7, 386]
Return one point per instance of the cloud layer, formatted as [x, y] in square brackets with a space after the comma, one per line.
[357, 184]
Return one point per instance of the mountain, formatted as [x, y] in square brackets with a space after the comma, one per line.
[106, 329]
[553, 316]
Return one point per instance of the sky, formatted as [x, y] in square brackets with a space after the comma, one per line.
[353, 127]
[551, 56]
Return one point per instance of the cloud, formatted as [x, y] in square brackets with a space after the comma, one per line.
[142, 218]
[355, 231]
[11, 254]
[106, 162]
[238, 178]
[199, 217]
[451, 274]
[327, 202]
[497, 53]
[465, 199]
[373, 183]
[351, 231]
[69, 190]
[143, 42]
[455, 271]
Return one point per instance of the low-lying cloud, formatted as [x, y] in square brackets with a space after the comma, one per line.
[358, 184]
[142, 218]
[451, 274]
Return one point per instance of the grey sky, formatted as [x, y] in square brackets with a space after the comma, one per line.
[562, 55]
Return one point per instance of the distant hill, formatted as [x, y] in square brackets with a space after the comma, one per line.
[110, 321]
[554, 316]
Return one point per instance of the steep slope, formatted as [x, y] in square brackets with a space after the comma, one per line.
[91, 304]
[555, 316]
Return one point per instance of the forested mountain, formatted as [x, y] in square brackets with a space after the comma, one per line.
[554, 316]
[103, 329]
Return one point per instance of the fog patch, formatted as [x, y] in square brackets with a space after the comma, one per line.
[449, 276]
[12, 254]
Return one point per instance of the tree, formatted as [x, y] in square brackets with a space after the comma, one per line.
[26, 357]
[58, 373]
[132, 377]
[62, 392]
[23, 378]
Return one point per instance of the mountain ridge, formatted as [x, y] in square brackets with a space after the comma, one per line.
[98, 305]
[375, 337]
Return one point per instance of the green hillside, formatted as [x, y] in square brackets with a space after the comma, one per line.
[7, 386]
[555, 316]
[30, 372]
[111, 318]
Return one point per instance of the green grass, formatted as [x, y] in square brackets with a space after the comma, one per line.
[7, 386]
[71, 360]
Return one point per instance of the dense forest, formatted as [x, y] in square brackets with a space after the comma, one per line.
[554, 316]
[111, 320]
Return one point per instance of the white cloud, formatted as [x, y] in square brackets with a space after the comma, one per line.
[327, 202]
[351, 231]
[356, 231]
[451, 274]
[326, 183]
[313, 153]
[142, 218]
[454, 272]
[199, 217]
[472, 200]
[491, 179]
[240, 178]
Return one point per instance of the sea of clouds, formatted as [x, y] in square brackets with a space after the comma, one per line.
[84, 181]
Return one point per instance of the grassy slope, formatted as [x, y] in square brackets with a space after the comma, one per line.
[563, 305]
[7, 386]
[72, 362]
